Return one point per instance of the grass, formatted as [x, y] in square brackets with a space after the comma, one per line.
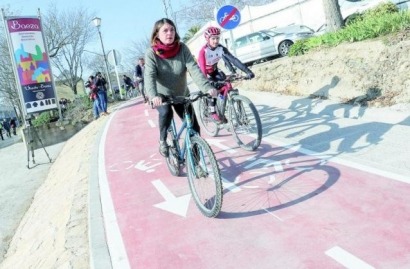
[380, 21]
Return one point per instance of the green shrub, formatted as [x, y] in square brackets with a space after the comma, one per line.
[382, 9]
[379, 21]
[298, 48]
[43, 118]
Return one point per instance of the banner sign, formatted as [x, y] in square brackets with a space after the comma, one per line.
[32, 64]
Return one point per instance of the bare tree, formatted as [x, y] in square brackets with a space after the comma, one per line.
[77, 32]
[8, 88]
[136, 50]
[56, 36]
[334, 19]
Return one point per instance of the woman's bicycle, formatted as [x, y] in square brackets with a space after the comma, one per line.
[238, 114]
[204, 176]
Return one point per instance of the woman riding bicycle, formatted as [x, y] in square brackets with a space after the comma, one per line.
[208, 59]
[166, 64]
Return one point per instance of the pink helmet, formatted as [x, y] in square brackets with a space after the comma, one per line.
[211, 31]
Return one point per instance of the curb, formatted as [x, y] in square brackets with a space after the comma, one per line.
[98, 247]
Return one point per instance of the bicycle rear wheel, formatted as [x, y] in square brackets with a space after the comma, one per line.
[245, 123]
[173, 157]
[211, 127]
[204, 177]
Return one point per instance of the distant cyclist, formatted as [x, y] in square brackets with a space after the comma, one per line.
[208, 59]
[128, 83]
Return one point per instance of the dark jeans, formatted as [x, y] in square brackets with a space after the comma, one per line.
[165, 117]
[142, 89]
[102, 97]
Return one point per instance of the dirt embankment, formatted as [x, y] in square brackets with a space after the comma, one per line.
[373, 73]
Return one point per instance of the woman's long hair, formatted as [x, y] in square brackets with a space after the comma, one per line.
[158, 24]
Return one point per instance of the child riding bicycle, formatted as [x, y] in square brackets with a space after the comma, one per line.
[208, 59]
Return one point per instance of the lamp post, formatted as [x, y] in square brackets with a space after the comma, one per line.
[97, 23]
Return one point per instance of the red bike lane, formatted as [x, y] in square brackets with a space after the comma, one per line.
[281, 208]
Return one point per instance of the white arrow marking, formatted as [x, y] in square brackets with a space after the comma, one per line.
[176, 205]
[144, 166]
[218, 143]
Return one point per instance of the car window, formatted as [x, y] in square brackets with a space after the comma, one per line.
[240, 42]
[256, 37]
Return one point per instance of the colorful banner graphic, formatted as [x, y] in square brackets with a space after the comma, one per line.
[32, 64]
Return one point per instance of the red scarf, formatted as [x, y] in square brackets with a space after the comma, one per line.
[166, 51]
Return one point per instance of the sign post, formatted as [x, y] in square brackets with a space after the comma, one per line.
[114, 58]
[229, 17]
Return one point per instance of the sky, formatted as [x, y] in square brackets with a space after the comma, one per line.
[122, 21]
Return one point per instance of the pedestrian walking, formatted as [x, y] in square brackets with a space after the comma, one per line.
[1, 131]
[100, 83]
[93, 95]
[13, 125]
[139, 77]
[6, 126]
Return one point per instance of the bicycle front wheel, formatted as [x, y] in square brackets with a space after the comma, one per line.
[209, 125]
[173, 155]
[245, 123]
[204, 177]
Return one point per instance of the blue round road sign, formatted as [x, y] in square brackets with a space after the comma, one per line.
[228, 17]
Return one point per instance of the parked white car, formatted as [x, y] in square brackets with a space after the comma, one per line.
[266, 43]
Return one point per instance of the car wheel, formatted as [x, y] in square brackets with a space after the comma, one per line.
[284, 47]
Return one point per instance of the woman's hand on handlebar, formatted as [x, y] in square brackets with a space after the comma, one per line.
[156, 101]
[213, 92]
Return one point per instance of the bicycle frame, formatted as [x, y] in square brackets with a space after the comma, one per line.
[226, 91]
[186, 125]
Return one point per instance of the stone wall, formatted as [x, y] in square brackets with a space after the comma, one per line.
[49, 134]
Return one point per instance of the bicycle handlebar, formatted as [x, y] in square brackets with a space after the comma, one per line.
[170, 99]
[229, 78]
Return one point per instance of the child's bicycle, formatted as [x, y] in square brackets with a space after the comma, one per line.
[242, 117]
[204, 176]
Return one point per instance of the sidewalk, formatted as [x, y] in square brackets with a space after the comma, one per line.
[19, 184]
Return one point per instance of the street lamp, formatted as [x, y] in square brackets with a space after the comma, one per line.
[97, 23]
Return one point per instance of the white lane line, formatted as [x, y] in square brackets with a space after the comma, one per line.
[119, 258]
[278, 166]
[355, 165]
[272, 214]
[347, 259]
[151, 123]
[146, 112]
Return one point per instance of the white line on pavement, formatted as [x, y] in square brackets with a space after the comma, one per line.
[119, 258]
[347, 259]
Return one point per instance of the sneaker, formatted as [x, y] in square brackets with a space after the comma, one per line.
[215, 117]
[163, 149]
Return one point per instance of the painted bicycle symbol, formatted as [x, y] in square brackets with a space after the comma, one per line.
[234, 18]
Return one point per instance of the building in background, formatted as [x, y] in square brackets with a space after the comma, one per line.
[282, 13]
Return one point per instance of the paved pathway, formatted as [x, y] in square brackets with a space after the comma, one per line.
[19, 184]
[319, 193]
